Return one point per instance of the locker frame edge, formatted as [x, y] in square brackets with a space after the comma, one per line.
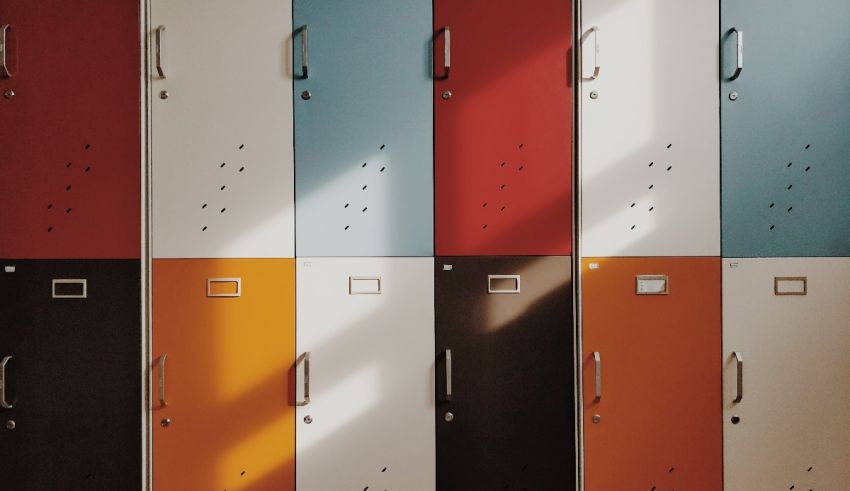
[146, 163]
[578, 356]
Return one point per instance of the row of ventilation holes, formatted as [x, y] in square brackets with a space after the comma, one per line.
[653, 488]
[367, 487]
[793, 486]
[68, 187]
[382, 169]
[669, 168]
[507, 486]
[223, 187]
[790, 186]
[503, 186]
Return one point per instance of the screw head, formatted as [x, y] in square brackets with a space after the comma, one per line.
[449, 417]
[10, 425]
[9, 94]
[306, 95]
[308, 419]
[165, 423]
[594, 95]
[163, 94]
[733, 96]
[447, 94]
[596, 419]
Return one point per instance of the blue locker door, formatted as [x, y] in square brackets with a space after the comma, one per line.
[363, 128]
[785, 126]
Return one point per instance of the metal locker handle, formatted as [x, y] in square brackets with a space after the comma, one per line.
[739, 63]
[4, 68]
[739, 361]
[3, 403]
[161, 383]
[447, 52]
[305, 357]
[596, 68]
[158, 51]
[448, 375]
[597, 364]
[305, 68]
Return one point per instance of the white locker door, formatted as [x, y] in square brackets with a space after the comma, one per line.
[368, 326]
[221, 121]
[789, 320]
[650, 158]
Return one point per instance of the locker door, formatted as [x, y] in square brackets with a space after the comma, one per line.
[503, 126]
[649, 136]
[223, 348]
[786, 182]
[221, 121]
[651, 401]
[787, 320]
[363, 128]
[73, 332]
[365, 374]
[69, 179]
[504, 373]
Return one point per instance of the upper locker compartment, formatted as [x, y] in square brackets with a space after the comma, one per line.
[363, 128]
[785, 126]
[503, 126]
[69, 96]
[650, 157]
[221, 129]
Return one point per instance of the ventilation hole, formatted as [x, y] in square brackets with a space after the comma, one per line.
[809, 469]
[772, 205]
[241, 146]
[808, 147]
[50, 229]
[88, 476]
[790, 208]
[367, 487]
[485, 226]
[670, 145]
[50, 206]
[68, 165]
[653, 488]
[88, 168]
[346, 205]
[68, 188]
[735, 420]
[524, 468]
[382, 169]
[484, 205]
[204, 229]
[792, 487]
[633, 227]
[346, 227]
[790, 186]
[242, 473]
[88, 146]
[772, 227]
[651, 208]
[222, 165]
[632, 205]
[521, 145]
[672, 469]
[651, 186]
[241, 169]
[364, 164]
[222, 188]
[807, 168]
[222, 210]
[365, 208]
[521, 167]
[68, 210]
[651, 164]
[383, 146]
[203, 206]
[668, 168]
[385, 469]
[789, 164]
[503, 164]
[503, 186]
[502, 208]
[364, 187]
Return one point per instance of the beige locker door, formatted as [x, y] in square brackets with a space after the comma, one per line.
[789, 320]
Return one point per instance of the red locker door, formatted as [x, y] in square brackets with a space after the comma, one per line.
[503, 127]
[69, 169]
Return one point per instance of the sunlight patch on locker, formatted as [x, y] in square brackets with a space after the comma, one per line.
[546, 280]
[260, 454]
[598, 232]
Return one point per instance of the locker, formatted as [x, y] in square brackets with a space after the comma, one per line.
[651, 344]
[70, 386]
[786, 183]
[364, 374]
[363, 128]
[785, 408]
[223, 352]
[649, 137]
[221, 129]
[70, 174]
[503, 125]
[504, 373]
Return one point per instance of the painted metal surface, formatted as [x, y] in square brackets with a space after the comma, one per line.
[790, 427]
[504, 373]
[658, 423]
[369, 423]
[70, 173]
[73, 377]
[224, 415]
[363, 138]
[649, 128]
[221, 129]
[503, 144]
[786, 178]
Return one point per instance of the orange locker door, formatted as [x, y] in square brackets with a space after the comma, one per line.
[652, 385]
[223, 348]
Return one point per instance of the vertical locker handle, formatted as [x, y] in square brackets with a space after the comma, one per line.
[739, 362]
[4, 51]
[3, 403]
[305, 357]
[448, 375]
[305, 48]
[739, 50]
[597, 364]
[158, 51]
[447, 52]
[161, 382]
[596, 68]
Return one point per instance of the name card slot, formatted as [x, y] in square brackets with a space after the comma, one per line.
[652, 284]
[224, 287]
[790, 285]
[69, 288]
[364, 285]
[503, 283]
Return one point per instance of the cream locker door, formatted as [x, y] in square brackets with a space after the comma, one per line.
[789, 320]
[221, 121]
[365, 339]
[650, 162]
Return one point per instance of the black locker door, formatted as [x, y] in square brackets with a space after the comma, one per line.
[73, 330]
[504, 373]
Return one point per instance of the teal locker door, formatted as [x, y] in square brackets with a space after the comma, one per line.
[363, 128]
[785, 149]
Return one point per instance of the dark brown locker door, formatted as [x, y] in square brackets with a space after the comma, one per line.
[72, 329]
[504, 373]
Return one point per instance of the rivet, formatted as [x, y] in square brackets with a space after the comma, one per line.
[10, 425]
[9, 94]
[449, 417]
[308, 419]
[596, 419]
[306, 95]
[733, 96]
[447, 94]
[163, 94]
[594, 95]
[165, 423]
